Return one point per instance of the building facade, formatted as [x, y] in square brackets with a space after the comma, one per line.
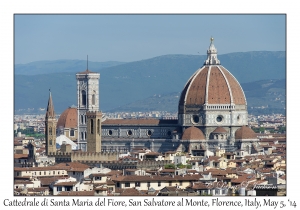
[87, 100]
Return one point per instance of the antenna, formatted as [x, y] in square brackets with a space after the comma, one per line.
[87, 62]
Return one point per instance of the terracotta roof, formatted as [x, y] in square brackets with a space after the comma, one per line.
[23, 182]
[198, 186]
[77, 193]
[114, 172]
[37, 189]
[193, 133]
[219, 130]
[138, 122]
[244, 178]
[132, 178]
[60, 166]
[87, 72]
[245, 133]
[20, 156]
[48, 180]
[216, 85]
[68, 119]
[135, 192]
[65, 183]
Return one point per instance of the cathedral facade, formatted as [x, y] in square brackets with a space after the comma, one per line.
[212, 114]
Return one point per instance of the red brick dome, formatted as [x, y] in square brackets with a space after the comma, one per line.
[193, 133]
[245, 133]
[212, 85]
[68, 119]
[219, 130]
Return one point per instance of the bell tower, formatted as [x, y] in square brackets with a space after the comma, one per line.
[87, 100]
[50, 127]
[94, 131]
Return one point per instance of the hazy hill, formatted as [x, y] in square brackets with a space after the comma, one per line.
[265, 96]
[57, 66]
[130, 82]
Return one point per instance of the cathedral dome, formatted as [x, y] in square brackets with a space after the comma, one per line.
[212, 85]
[245, 133]
[68, 119]
[219, 130]
[193, 133]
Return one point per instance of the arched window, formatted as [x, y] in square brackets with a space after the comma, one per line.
[92, 126]
[82, 137]
[72, 133]
[83, 97]
[98, 126]
[50, 130]
[81, 116]
[93, 99]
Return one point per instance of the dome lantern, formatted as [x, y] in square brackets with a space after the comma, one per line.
[212, 54]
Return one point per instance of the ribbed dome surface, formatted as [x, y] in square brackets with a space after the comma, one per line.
[68, 119]
[193, 133]
[212, 85]
[245, 133]
[219, 130]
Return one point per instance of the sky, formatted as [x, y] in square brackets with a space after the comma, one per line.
[126, 38]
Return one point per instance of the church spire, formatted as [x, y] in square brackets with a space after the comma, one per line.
[50, 108]
[212, 54]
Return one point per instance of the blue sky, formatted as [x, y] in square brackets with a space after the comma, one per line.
[136, 37]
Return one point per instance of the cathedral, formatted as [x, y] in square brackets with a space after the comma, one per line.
[212, 114]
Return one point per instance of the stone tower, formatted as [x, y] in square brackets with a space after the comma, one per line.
[93, 131]
[87, 100]
[50, 127]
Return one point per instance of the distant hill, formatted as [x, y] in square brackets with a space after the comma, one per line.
[263, 97]
[57, 66]
[131, 82]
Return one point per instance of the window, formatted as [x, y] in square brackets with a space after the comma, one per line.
[159, 183]
[129, 132]
[93, 99]
[59, 189]
[92, 126]
[170, 183]
[72, 133]
[148, 184]
[180, 183]
[127, 184]
[83, 97]
[68, 188]
[50, 142]
[98, 126]
[137, 184]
